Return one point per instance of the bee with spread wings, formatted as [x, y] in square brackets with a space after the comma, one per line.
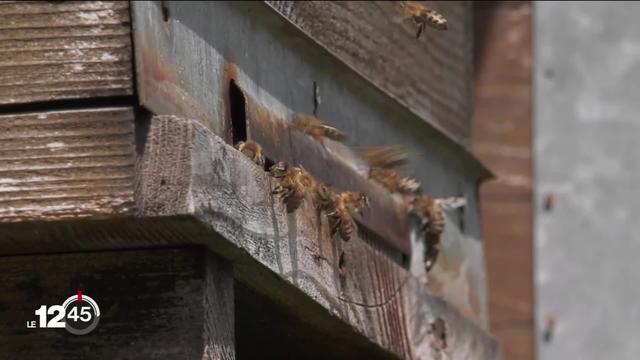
[388, 166]
[423, 16]
[314, 127]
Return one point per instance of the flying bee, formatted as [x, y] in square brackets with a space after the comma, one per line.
[314, 127]
[386, 156]
[423, 16]
[394, 182]
[388, 166]
[252, 150]
[341, 219]
[432, 222]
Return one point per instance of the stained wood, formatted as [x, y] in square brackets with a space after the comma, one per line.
[430, 75]
[218, 306]
[503, 140]
[195, 189]
[154, 304]
[66, 164]
[187, 170]
[52, 50]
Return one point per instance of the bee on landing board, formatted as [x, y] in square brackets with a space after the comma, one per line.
[432, 221]
[279, 170]
[294, 182]
[388, 167]
[314, 127]
[423, 16]
[324, 198]
[340, 219]
[252, 150]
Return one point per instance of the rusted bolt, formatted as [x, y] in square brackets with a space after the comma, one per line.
[549, 201]
[549, 327]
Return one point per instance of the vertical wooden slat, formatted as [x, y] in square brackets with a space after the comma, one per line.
[503, 140]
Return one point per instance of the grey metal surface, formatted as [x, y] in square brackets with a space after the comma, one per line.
[587, 153]
[182, 68]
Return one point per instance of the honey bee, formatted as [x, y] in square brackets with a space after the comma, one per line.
[388, 167]
[433, 222]
[453, 202]
[423, 16]
[293, 184]
[314, 127]
[355, 202]
[324, 198]
[252, 150]
[394, 182]
[279, 170]
[340, 218]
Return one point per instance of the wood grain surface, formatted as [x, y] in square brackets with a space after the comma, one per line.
[53, 50]
[66, 164]
[429, 75]
[154, 304]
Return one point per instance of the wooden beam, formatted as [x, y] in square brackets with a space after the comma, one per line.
[176, 303]
[187, 170]
[64, 50]
[66, 164]
[411, 71]
[193, 188]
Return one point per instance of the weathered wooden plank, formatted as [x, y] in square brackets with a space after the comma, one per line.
[66, 164]
[429, 75]
[154, 304]
[280, 67]
[64, 50]
[206, 192]
[186, 170]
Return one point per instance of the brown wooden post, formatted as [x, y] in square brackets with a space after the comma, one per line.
[503, 139]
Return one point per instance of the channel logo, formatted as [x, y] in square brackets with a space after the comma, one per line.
[79, 314]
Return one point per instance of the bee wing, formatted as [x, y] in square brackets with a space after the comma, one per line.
[392, 157]
[304, 121]
[311, 125]
[454, 202]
